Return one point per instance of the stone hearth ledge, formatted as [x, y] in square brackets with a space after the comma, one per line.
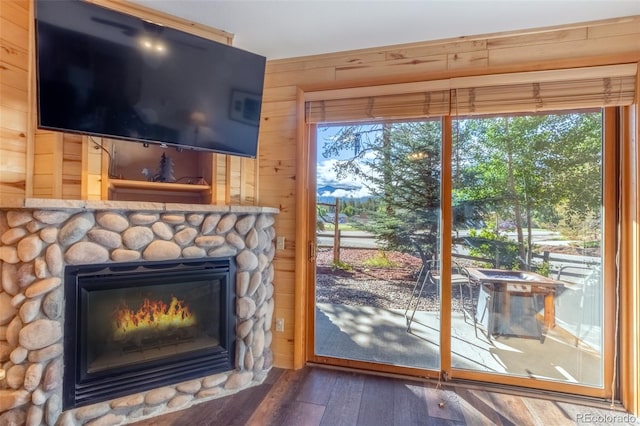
[87, 205]
[38, 237]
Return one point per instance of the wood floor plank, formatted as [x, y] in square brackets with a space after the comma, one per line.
[548, 413]
[273, 376]
[302, 414]
[477, 407]
[582, 414]
[275, 404]
[377, 404]
[410, 407]
[443, 404]
[237, 410]
[511, 408]
[344, 404]
[318, 386]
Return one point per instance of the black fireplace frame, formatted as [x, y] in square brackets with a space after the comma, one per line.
[81, 388]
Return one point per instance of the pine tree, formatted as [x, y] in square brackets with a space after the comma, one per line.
[165, 170]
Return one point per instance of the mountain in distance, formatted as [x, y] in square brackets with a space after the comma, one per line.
[330, 189]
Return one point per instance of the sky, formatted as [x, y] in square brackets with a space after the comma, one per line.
[346, 187]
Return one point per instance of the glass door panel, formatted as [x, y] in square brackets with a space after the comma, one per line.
[527, 239]
[377, 289]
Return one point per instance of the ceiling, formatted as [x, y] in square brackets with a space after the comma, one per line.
[290, 28]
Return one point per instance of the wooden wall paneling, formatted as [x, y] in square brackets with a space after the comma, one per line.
[13, 119]
[282, 123]
[299, 76]
[462, 60]
[274, 151]
[12, 162]
[233, 179]
[623, 26]
[277, 179]
[15, 26]
[391, 67]
[168, 20]
[243, 190]
[47, 165]
[220, 193]
[104, 169]
[12, 140]
[14, 10]
[91, 171]
[280, 108]
[540, 38]
[12, 54]
[72, 160]
[564, 50]
[12, 184]
[277, 94]
[249, 183]
[14, 98]
[330, 60]
[446, 47]
[207, 172]
[212, 169]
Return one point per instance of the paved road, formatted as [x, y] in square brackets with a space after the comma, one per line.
[348, 239]
[366, 240]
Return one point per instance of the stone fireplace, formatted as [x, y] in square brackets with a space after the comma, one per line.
[65, 265]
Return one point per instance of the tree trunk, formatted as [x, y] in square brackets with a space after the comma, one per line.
[529, 232]
[513, 193]
[386, 167]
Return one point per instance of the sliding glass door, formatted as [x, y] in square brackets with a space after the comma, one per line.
[527, 205]
[471, 247]
[377, 289]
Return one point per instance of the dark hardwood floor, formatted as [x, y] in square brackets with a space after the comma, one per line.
[320, 396]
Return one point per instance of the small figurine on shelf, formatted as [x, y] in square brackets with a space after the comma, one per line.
[165, 170]
[147, 173]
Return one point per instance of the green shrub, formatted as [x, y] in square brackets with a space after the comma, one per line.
[339, 264]
[380, 260]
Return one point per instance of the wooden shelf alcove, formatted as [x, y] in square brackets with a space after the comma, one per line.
[135, 190]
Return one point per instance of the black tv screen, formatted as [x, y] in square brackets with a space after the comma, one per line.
[105, 73]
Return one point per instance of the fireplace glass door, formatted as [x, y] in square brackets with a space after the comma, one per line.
[151, 321]
[133, 327]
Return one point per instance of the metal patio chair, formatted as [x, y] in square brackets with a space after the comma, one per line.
[429, 276]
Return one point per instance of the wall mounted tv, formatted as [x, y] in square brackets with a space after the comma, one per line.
[105, 73]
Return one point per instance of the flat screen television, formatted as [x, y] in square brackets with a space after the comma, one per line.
[104, 73]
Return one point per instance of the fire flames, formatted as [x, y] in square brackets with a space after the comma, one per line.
[152, 316]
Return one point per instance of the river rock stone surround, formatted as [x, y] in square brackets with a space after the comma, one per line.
[39, 237]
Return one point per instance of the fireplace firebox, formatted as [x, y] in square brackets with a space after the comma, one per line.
[136, 326]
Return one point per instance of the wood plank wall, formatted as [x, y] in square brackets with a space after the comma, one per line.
[595, 43]
[58, 163]
[14, 96]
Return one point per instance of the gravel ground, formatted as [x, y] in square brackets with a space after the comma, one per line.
[359, 284]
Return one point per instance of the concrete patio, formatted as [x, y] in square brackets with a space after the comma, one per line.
[380, 335]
